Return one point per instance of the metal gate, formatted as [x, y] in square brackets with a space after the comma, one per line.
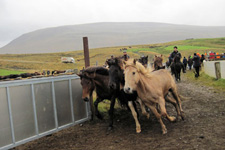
[33, 108]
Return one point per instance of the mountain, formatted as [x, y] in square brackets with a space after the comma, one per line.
[69, 38]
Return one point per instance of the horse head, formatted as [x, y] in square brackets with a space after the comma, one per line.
[87, 84]
[158, 62]
[116, 77]
[132, 77]
[143, 60]
[177, 58]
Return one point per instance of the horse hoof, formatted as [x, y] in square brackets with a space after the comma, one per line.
[173, 119]
[182, 115]
[138, 130]
[164, 131]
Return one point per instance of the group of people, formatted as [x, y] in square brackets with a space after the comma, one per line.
[196, 61]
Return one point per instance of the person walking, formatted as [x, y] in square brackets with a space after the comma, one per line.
[185, 62]
[196, 60]
[190, 62]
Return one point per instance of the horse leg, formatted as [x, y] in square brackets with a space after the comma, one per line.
[134, 113]
[98, 100]
[174, 103]
[158, 116]
[177, 98]
[179, 76]
[143, 110]
[176, 76]
[111, 110]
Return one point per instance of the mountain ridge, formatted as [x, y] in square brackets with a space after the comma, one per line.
[106, 34]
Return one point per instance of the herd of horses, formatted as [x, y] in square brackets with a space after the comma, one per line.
[132, 83]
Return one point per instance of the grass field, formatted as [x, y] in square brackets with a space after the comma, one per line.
[207, 80]
[4, 72]
[51, 61]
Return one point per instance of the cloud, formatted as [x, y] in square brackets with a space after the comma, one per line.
[21, 16]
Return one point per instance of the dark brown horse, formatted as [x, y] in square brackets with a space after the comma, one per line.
[158, 62]
[97, 78]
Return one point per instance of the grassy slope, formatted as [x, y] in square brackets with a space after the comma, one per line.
[204, 79]
[51, 61]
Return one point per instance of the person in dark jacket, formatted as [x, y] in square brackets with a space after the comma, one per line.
[172, 56]
[185, 62]
[190, 62]
[125, 56]
[196, 60]
[202, 59]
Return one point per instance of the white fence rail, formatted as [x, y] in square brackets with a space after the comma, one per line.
[30, 109]
[215, 69]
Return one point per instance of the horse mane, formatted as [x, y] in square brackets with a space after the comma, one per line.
[116, 61]
[99, 70]
[140, 68]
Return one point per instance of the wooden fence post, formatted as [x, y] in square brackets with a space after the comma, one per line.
[87, 64]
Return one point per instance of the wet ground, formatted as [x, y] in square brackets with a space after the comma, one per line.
[203, 127]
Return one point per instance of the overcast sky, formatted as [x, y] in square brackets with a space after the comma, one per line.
[21, 16]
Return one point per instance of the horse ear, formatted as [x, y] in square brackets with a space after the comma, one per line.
[147, 56]
[134, 61]
[155, 56]
[161, 55]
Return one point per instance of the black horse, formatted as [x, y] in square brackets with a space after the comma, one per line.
[144, 61]
[117, 82]
[176, 67]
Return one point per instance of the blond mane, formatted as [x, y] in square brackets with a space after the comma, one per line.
[140, 68]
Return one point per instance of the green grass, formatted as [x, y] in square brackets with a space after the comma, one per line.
[4, 72]
[206, 80]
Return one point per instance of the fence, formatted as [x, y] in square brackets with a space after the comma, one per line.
[30, 109]
[215, 57]
[215, 69]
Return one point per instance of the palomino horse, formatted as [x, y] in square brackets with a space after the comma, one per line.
[158, 62]
[97, 78]
[152, 88]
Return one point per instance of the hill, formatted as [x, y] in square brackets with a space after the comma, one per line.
[69, 38]
[52, 61]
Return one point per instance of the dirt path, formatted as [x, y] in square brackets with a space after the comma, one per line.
[203, 128]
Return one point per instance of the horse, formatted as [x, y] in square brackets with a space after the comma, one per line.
[167, 64]
[152, 88]
[158, 62]
[176, 67]
[144, 61]
[97, 78]
[116, 82]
